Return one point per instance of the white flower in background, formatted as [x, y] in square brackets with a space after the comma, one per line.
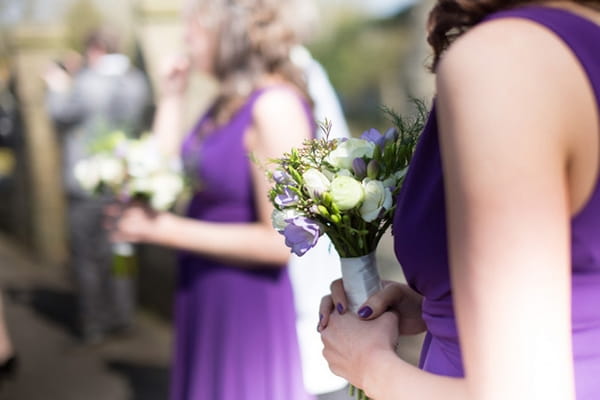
[315, 183]
[112, 171]
[345, 153]
[165, 189]
[346, 192]
[278, 218]
[143, 159]
[140, 185]
[377, 197]
[87, 174]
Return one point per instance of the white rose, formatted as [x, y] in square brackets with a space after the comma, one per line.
[377, 197]
[346, 152]
[143, 159]
[278, 218]
[165, 189]
[112, 170]
[141, 185]
[346, 192]
[87, 174]
[161, 203]
[315, 182]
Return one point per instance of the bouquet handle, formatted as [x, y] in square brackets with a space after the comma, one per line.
[361, 279]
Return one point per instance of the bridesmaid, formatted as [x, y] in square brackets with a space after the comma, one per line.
[234, 313]
[498, 223]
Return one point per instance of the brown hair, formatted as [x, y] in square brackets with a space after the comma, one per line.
[451, 18]
[253, 38]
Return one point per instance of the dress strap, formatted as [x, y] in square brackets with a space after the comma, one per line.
[580, 34]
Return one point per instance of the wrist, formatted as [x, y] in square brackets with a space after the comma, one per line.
[159, 231]
[171, 98]
[377, 366]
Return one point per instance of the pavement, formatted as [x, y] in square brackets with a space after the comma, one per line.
[53, 363]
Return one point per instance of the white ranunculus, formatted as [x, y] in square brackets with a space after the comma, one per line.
[278, 218]
[112, 170]
[87, 174]
[141, 185]
[143, 159]
[165, 189]
[315, 183]
[346, 192]
[346, 152]
[377, 197]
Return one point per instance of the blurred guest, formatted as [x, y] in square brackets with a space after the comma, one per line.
[107, 93]
[234, 311]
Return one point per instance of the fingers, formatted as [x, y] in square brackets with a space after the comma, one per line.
[339, 296]
[325, 309]
[336, 301]
[381, 301]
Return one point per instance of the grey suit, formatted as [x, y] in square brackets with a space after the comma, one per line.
[112, 95]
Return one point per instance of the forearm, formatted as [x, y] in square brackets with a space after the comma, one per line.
[168, 124]
[391, 378]
[243, 244]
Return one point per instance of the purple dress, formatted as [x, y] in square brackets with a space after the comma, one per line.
[235, 327]
[420, 231]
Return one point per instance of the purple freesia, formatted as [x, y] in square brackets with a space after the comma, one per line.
[374, 136]
[390, 135]
[360, 167]
[301, 234]
[287, 198]
[282, 177]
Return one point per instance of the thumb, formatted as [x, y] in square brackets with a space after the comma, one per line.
[380, 302]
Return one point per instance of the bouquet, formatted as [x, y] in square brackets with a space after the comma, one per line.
[130, 169]
[346, 189]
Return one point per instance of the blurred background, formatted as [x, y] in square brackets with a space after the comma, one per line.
[375, 54]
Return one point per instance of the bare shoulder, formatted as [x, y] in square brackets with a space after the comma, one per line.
[281, 100]
[514, 48]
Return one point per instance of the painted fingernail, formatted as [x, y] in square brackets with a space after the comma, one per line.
[340, 308]
[320, 317]
[365, 312]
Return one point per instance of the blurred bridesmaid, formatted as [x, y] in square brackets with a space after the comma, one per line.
[234, 311]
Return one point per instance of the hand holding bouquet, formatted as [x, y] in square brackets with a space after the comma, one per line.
[130, 169]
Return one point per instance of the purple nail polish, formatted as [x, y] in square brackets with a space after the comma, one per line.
[340, 308]
[365, 312]
[320, 317]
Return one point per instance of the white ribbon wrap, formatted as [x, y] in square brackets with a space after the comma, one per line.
[361, 279]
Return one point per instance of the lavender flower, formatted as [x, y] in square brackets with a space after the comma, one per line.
[390, 135]
[301, 234]
[282, 177]
[359, 166]
[287, 199]
[374, 136]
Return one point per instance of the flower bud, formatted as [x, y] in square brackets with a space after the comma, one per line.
[360, 168]
[373, 169]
